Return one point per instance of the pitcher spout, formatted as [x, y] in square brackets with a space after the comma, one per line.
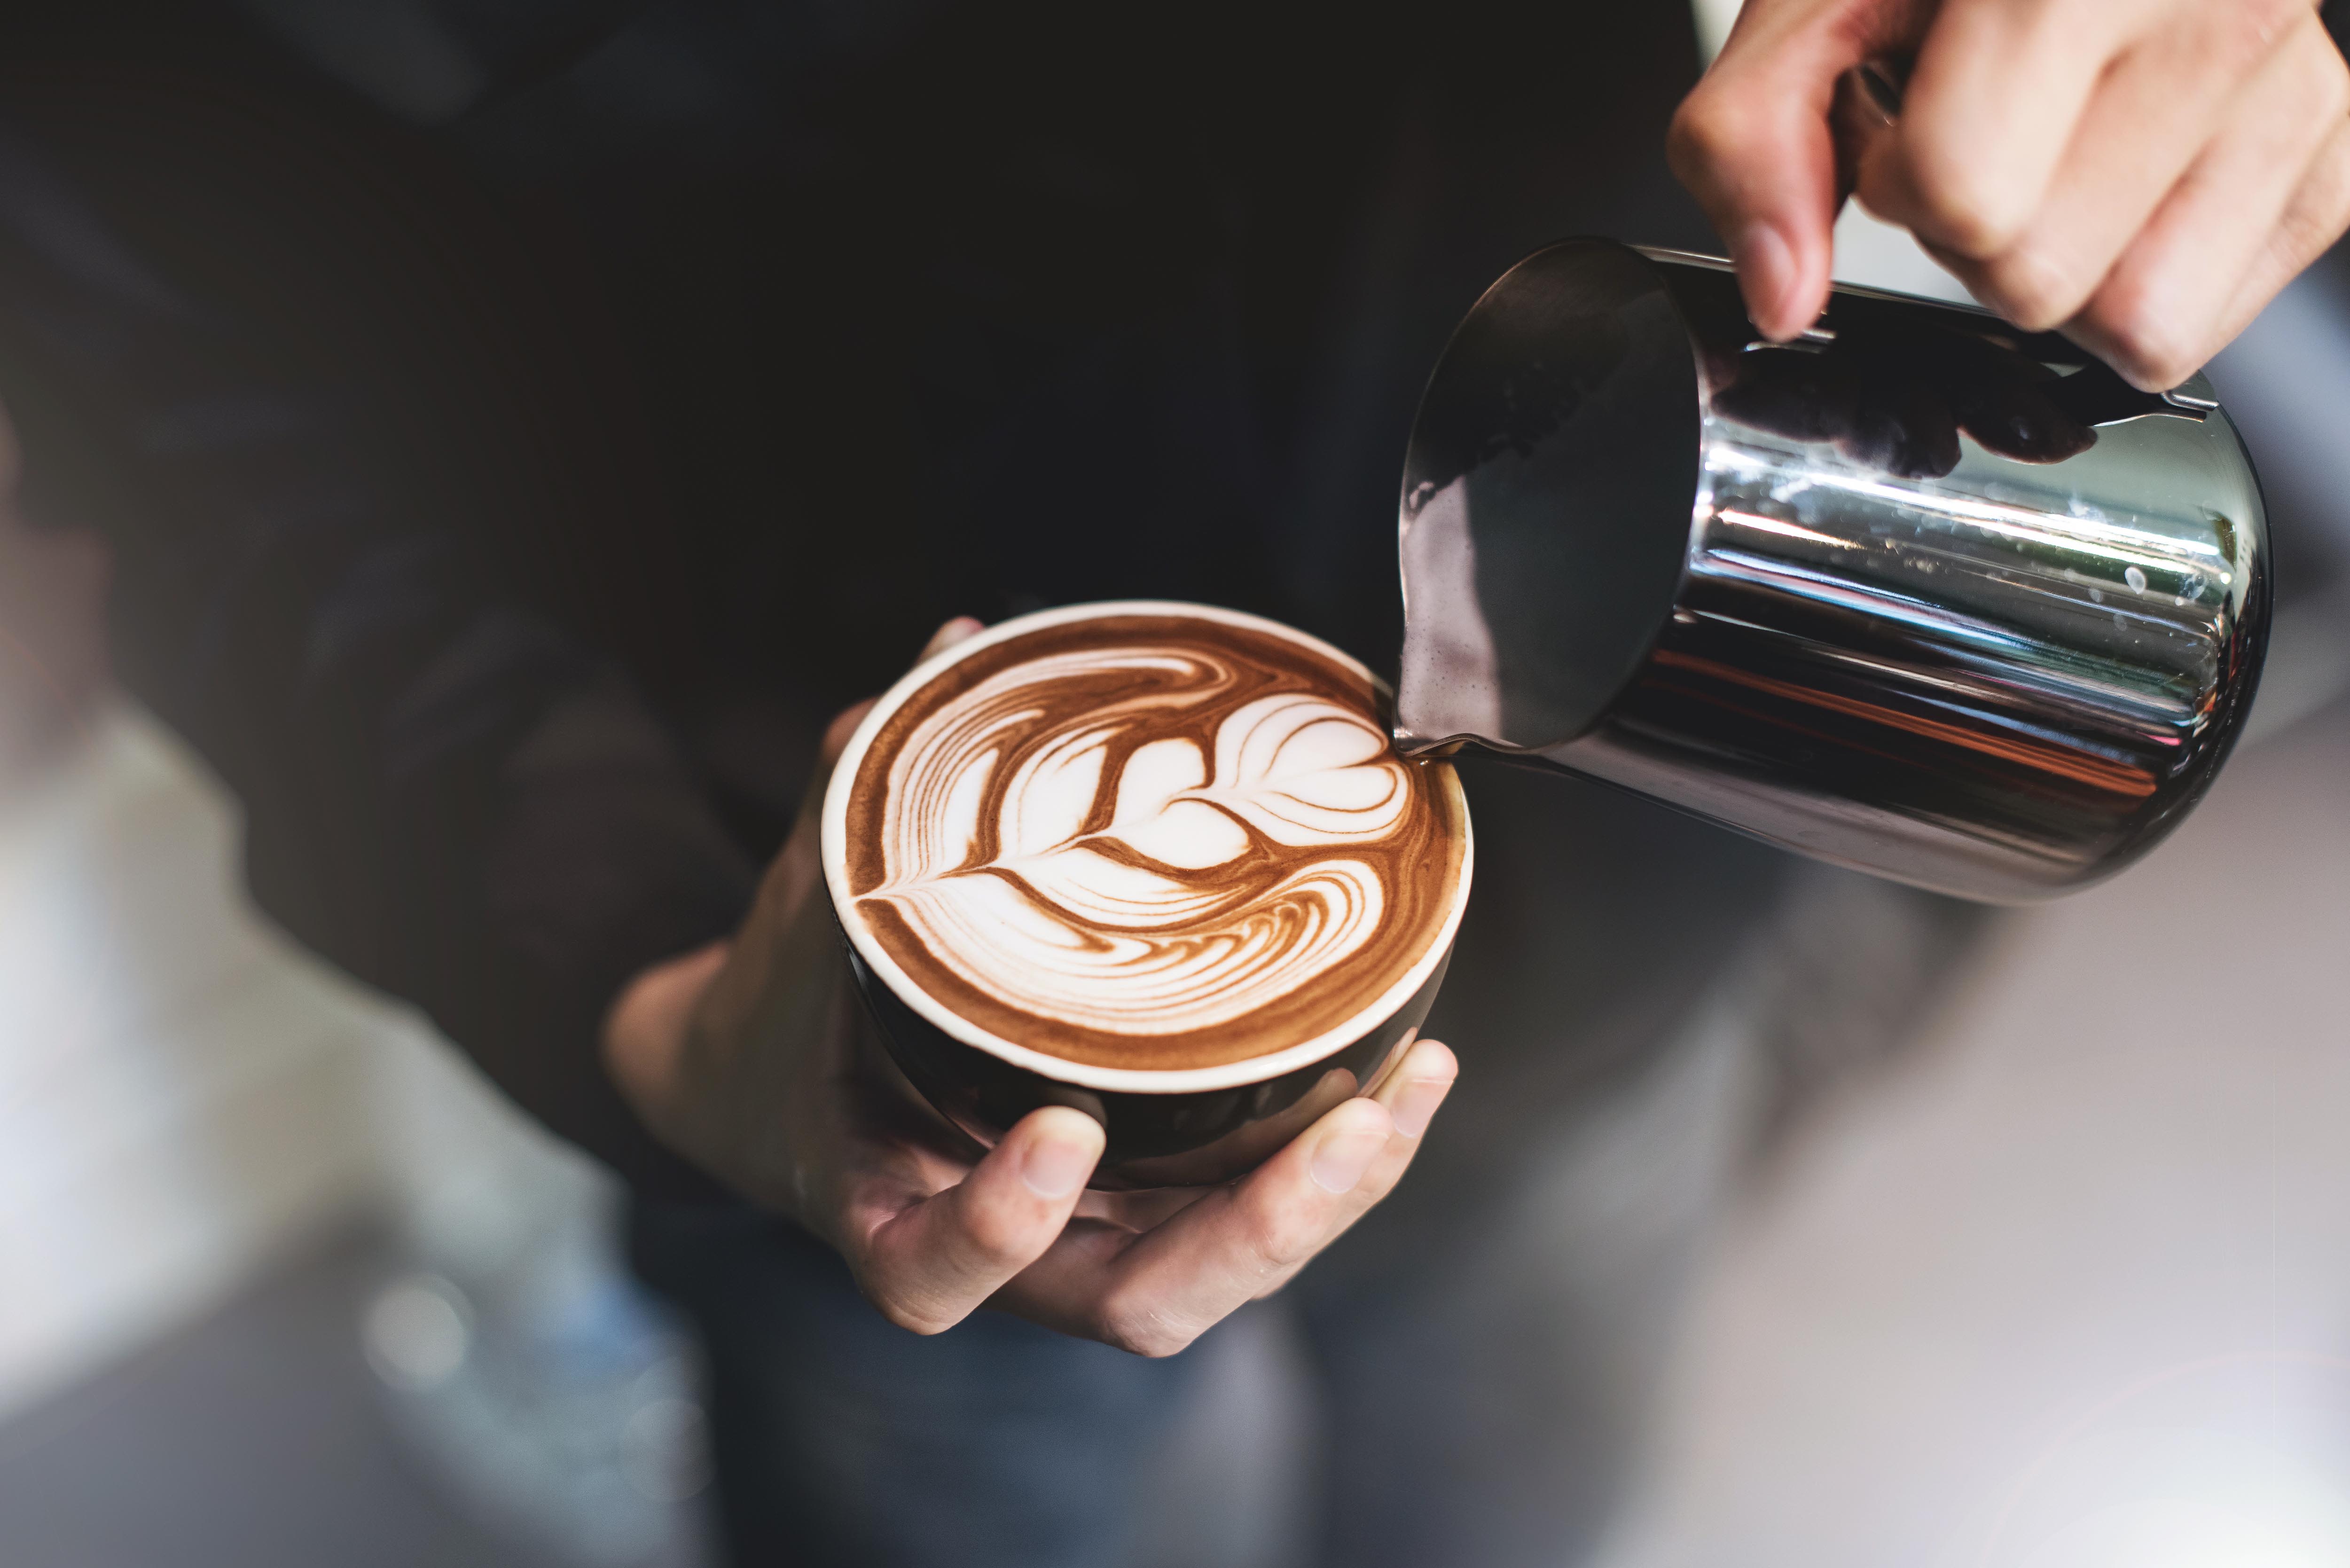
[1448, 691]
[1427, 749]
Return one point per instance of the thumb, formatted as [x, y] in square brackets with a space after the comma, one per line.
[929, 1264]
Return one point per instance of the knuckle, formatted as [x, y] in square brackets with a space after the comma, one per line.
[2232, 41]
[2255, 24]
[2323, 204]
[2145, 345]
[2156, 373]
[1707, 131]
[908, 1316]
[2324, 78]
[1140, 1329]
[2046, 27]
[2314, 231]
[2029, 17]
[1959, 204]
[992, 1238]
[1278, 1237]
[2332, 88]
[2032, 290]
[1385, 1176]
[2303, 236]
[2319, 212]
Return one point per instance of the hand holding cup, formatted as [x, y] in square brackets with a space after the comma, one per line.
[758, 1059]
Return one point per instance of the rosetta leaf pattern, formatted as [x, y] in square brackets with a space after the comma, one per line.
[1163, 885]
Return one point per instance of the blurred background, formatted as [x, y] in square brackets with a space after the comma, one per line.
[2055, 1269]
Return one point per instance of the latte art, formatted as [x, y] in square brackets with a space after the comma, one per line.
[1151, 841]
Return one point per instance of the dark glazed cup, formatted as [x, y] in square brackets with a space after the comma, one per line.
[1165, 1128]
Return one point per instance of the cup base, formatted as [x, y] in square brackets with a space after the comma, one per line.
[1191, 1137]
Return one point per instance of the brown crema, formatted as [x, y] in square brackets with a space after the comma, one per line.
[1349, 888]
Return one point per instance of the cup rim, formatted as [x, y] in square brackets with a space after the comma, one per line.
[833, 842]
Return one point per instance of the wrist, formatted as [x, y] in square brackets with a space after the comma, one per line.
[645, 1031]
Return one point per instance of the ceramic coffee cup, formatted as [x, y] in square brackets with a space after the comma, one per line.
[1165, 1126]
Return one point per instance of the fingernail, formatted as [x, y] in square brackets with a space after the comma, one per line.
[1416, 1105]
[1055, 1167]
[1766, 274]
[1339, 1164]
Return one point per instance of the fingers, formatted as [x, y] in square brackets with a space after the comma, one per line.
[929, 1259]
[1155, 1293]
[1988, 114]
[2260, 202]
[1752, 145]
[2155, 112]
[2193, 182]
[2145, 173]
[1159, 1291]
[1412, 1093]
[1417, 1087]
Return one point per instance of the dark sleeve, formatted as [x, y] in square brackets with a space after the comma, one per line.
[444, 794]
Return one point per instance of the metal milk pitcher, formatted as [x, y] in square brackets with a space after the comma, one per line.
[1920, 594]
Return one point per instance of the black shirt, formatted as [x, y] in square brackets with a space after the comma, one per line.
[517, 442]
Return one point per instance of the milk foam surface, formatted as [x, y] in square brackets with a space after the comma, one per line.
[1151, 841]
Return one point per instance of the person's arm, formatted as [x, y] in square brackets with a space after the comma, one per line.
[2145, 174]
[442, 794]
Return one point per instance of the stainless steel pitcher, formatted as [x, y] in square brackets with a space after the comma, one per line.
[1919, 594]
